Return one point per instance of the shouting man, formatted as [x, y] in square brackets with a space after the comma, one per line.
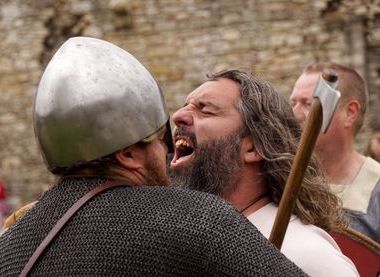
[236, 137]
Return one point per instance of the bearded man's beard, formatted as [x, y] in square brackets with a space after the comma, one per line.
[214, 167]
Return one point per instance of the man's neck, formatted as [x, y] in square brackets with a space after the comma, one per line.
[342, 165]
[245, 192]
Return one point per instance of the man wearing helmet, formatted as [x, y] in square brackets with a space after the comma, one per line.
[102, 126]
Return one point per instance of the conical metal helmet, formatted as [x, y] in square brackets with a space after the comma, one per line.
[93, 99]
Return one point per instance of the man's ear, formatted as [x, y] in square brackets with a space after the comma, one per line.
[352, 112]
[127, 158]
[249, 152]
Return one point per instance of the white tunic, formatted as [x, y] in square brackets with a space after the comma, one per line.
[308, 246]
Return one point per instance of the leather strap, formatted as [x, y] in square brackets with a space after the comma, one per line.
[63, 220]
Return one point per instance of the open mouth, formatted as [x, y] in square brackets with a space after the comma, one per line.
[184, 150]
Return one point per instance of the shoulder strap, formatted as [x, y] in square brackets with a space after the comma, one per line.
[63, 220]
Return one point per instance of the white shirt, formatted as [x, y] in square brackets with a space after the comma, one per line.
[308, 246]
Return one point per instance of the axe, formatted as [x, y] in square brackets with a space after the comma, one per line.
[319, 118]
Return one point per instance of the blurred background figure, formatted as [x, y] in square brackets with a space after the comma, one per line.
[373, 148]
[4, 206]
[352, 176]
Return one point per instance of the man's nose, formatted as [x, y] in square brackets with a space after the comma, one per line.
[182, 117]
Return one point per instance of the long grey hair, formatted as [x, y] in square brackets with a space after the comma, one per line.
[269, 120]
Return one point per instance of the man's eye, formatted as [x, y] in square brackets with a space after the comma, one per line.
[207, 112]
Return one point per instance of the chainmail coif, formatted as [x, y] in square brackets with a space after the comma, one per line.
[148, 231]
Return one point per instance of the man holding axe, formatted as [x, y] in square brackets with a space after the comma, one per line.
[236, 137]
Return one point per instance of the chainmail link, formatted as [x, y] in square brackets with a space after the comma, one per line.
[148, 231]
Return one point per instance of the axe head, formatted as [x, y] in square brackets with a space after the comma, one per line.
[328, 96]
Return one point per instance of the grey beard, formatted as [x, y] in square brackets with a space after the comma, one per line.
[214, 167]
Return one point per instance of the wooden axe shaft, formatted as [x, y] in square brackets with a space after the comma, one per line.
[301, 160]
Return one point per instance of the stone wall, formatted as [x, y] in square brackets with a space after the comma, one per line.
[179, 41]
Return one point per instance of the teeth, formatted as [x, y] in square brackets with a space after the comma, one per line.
[181, 142]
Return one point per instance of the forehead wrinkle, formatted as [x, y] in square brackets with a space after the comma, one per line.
[205, 96]
[203, 103]
[199, 102]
